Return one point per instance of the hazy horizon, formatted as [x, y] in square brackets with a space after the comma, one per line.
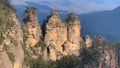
[77, 6]
[101, 22]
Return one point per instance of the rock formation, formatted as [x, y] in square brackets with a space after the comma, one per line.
[63, 36]
[25, 46]
[56, 33]
[72, 45]
[88, 41]
[11, 52]
[108, 58]
[33, 29]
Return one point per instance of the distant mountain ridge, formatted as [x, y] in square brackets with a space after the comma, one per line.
[105, 23]
[57, 43]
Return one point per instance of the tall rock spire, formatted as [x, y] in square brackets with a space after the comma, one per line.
[62, 36]
[55, 34]
[33, 29]
[72, 46]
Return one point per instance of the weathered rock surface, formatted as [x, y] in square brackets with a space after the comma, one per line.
[33, 29]
[108, 58]
[61, 38]
[88, 41]
[55, 34]
[4, 61]
[12, 52]
[72, 45]
[64, 36]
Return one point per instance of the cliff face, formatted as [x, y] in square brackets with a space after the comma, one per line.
[62, 37]
[55, 34]
[32, 26]
[72, 45]
[107, 52]
[23, 46]
[11, 35]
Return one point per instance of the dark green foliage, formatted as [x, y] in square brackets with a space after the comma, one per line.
[11, 56]
[89, 55]
[41, 44]
[23, 46]
[1, 39]
[6, 47]
[5, 18]
[24, 38]
[24, 33]
[40, 63]
[28, 59]
[65, 62]
[68, 62]
[7, 5]
[12, 40]
[6, 21]
[116, 45]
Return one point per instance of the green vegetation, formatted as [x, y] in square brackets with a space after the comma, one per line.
[65, 62]
[40, 63]
[68, 62]
[23, 46]
[6, 21]
[89, 55]
[6, 47]
[28, 59]
[41, 44]
[6, 4]
[11, 56]
[24, 38]
[1, 39]
[12, 40]
[24, 33]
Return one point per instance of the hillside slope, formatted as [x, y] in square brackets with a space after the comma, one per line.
[105, 23]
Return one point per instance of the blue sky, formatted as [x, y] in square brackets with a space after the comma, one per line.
[77, 6]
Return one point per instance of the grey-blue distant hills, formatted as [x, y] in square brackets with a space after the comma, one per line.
[104, 23]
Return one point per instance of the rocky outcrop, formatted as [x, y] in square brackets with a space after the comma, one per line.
[4, 61]
[72, 45]
[32, 26]
[62, 36]
[107, 58]
[55, 34]
[19, 46]
[88, 41]
[11, 52]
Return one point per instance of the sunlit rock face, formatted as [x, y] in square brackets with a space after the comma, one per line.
[55, 33]
[33, 29]
[13, 39]
[72, 45]
[63, 36]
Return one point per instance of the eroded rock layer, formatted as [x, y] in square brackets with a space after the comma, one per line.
[62, 37]
[72, 45]
[32, 26]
